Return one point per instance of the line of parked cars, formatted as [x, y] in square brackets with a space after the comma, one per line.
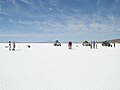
[85, 43]
[105, 43]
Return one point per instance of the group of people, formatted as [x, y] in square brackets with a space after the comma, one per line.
[93, 45]
[12, 46]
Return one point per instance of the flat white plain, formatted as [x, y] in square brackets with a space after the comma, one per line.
[46, 67]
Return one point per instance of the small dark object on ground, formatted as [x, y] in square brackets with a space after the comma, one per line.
[6, 46]
[29, 46]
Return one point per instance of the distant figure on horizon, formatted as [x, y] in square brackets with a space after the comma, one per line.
[114, 44]
[91, 45]
[70, 45]
[9, 45]
[13, 46]
[94, 44]
[29, 46]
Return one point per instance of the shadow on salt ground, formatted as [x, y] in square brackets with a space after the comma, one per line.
[18, 50]
[72, 49]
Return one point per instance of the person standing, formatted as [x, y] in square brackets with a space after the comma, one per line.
[70, 45]
[91, 45]
[114, 44]
[94, 44]
[9, 45]
[13, 46]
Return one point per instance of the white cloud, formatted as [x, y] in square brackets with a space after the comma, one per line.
[13, 1]
[99, 26]
[8, 10]
[54, 2]
[43, 35]
[50, 9]
[95, 23]
[77, 26]
[28, 22]
[4, 11]
[18, 8]
[1, 18]
[116, 1]
[26, 1]
[81, 24]
[98, 2]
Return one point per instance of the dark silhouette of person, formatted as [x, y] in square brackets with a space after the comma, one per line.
[93, 44]
[70, 45]
[13, 46]
[96, 44]
[114, 44]
[9, 45]
[29, 46]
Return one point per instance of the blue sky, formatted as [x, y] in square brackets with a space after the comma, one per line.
[48, 20]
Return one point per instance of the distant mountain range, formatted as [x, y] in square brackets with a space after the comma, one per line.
[113, 40]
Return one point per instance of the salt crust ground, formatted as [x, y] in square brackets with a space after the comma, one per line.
[45, 67]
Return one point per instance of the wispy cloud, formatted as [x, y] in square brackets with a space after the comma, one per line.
[26, 1]
[97, 23]
[56, 17]
[117, 1]
[98, 2]
[1, 18]
[54, 2]
[44, 35]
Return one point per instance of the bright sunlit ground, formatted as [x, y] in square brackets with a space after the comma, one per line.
[46, 67]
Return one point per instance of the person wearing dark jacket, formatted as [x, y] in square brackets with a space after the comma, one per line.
[70, 45]
[114, 44]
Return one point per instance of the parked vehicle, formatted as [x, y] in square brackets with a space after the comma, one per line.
[106, 43]
[57, 43]
[86, 43]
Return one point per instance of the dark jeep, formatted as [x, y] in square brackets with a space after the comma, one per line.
[106, 43]
[86, 43]
[57, 43]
